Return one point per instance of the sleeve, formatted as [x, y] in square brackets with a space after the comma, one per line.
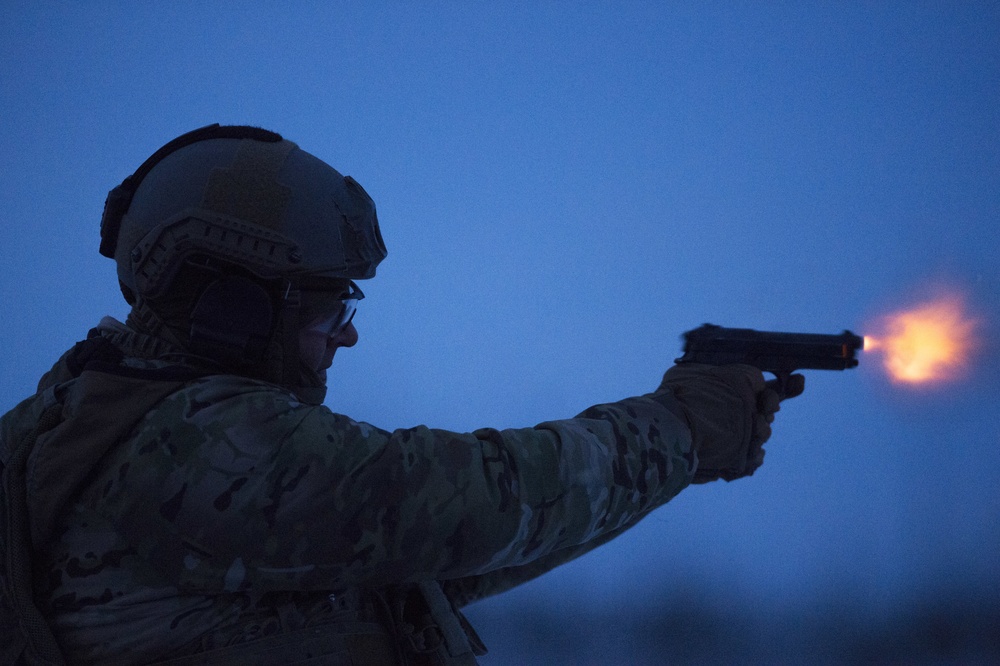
[464, 591]
[269, 496]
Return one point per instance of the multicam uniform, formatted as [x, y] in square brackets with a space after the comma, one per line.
[174, 511]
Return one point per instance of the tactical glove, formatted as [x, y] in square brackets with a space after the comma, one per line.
[729, 410]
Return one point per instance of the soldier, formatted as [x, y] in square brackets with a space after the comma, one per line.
[176, 490]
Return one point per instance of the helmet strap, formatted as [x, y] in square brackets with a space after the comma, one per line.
[293, 374]
[291, 304]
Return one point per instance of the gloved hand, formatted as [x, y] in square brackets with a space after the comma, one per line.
[729, 410]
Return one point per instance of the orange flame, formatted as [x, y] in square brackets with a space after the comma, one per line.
[930, 342]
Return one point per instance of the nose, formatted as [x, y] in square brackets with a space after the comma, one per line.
[345, 338]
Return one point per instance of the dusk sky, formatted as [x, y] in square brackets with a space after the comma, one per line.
[564, 189]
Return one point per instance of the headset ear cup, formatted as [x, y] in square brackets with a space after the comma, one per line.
[232, 321]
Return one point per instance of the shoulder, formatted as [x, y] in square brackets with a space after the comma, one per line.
[231, 401]
[254, 417]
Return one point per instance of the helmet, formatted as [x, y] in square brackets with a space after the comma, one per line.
[219, 233]
[244, 196]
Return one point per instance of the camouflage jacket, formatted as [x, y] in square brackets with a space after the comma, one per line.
[174, 511]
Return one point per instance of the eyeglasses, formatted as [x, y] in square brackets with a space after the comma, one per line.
[334, 324]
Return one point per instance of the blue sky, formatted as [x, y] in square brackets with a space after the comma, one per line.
[564, 189]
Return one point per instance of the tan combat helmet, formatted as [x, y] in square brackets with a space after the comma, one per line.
[259, 217]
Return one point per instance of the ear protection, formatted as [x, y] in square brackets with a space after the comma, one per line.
[232, 321]
[120, 198]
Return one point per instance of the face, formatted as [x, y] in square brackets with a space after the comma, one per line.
[331, 328]
[317, 348]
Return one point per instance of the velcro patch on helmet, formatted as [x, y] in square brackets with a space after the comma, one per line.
[248, 189]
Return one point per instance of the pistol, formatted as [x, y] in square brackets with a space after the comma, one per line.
[781, 354]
